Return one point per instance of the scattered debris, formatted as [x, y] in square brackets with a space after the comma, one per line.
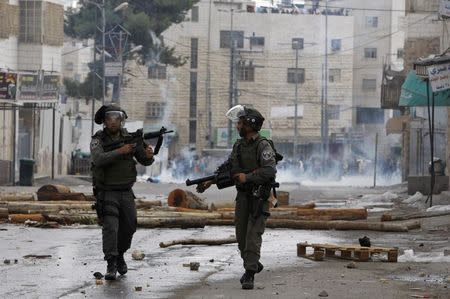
[416, 199]
[351, 265]
[230, 240]
[138, 289]
[194, 266]
[7, 262]
[323, 294]
[446, 252]
[186, 199]
[364, 241]
[98, 275]
[440, 208]
[37, 256]
[99, 282]
[422, 274]
[59, 192]
[137, 255]
[211, 260]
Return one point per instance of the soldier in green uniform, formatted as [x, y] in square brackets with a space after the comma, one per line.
[253, 167]
[114, 173]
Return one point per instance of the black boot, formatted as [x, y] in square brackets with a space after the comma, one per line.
[260, 268]
[111, 269]
[248, 281]
[121, 265]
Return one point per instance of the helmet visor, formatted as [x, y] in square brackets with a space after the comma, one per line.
[115, 116]
[235, 113]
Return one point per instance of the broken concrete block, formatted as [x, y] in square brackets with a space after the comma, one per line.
[194, 266]
[137, 255]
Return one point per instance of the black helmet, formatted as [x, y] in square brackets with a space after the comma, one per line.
[100, 114]
[250, 115]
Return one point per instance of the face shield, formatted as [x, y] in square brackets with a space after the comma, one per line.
[115, 116]
[235, 113]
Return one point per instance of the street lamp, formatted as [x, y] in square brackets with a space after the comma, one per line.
[102, 29]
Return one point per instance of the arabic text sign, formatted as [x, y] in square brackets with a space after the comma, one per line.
[28, 87]
[439, 76]
[444, 8]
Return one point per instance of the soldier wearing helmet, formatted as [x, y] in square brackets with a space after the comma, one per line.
[253, 167]
[114, 173]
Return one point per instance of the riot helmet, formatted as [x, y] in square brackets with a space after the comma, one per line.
[110, 112]
[251, 116]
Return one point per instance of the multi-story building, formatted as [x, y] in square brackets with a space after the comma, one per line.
[31, 39]
[76, 56]
[195, 97]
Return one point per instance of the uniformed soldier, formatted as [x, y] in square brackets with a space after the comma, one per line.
[114, 173]
[253, 166]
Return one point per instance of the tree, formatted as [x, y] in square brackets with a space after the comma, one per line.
[144, 19]
[141, 19]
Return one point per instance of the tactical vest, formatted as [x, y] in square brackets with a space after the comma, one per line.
[248, 154]
[121, 172]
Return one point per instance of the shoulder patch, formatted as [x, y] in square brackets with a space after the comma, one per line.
[268, 154]
[95, 143]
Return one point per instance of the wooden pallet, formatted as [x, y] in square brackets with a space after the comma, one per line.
[350, 252]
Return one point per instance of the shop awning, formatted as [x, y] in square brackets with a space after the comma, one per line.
[414, 93]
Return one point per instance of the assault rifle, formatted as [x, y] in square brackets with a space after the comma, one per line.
[223, 179]
[138, 137]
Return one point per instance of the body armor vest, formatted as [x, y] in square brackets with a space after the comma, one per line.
[121, 172]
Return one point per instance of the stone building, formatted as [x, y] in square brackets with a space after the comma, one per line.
[31, 39]
[194, 98]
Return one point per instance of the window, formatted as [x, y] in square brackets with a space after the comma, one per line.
[30, 21]
[69, 66]
[400, 53]
[192, 131]
[369, 116]
[296, 75]
[194, 14]
[246, 72]
[371, 22]
[257, 41]
[334, 112]
[194, 53]
[370, 52]
[369, 84]
[238, 37]
[193, 95]
[297, 43]
[334, 75]
[336, 44]
[155, 110]
[157, 72]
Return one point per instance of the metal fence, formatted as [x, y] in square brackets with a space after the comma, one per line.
[81, 166]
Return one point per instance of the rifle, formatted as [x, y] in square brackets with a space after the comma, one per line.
[223, 179]
[138, 137]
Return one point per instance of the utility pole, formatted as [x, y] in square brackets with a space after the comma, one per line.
[296, 104]
[103, 51]
[208, 81]
[232, 75]
[324, 112]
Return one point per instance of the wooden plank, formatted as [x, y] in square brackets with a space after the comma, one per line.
[352, 252]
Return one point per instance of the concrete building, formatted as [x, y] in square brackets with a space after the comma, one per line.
[194, 98]
[76, 56]
[31, 39]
